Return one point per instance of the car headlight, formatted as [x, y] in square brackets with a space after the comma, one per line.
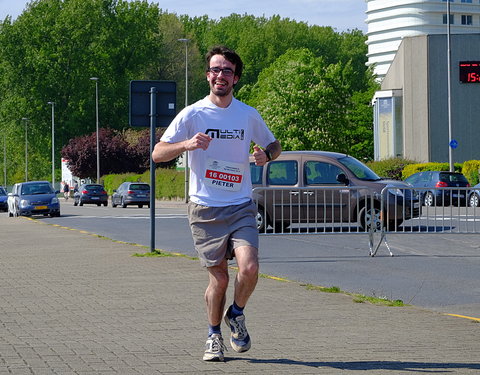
[24, 203]
[54, 200]
[397, 192]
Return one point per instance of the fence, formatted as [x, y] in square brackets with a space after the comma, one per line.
[360, 210]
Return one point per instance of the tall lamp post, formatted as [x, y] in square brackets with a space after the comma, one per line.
[96, 117]
[5, 160]
[449, 91]
[184, 40]
[26, 148]
[53, 143]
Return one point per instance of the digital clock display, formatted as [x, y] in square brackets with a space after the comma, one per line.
[469, 71]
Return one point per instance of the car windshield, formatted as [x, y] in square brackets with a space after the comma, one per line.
[453, 177]
[139, 187]
[2, 191]
[360, 170]
[34, 189]
[94, 187]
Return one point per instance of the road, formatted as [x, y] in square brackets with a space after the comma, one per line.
[438, 271]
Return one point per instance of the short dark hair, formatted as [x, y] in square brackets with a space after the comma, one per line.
[229, 54]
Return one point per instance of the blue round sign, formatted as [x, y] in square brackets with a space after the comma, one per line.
[453, 143]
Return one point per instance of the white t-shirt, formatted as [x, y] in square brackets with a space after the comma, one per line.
[220, 175]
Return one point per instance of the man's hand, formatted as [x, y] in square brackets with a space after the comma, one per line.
[259, 156]
[199, 140]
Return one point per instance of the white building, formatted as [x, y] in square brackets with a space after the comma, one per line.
[389, 21]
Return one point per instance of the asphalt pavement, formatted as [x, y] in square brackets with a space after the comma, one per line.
[75, 303]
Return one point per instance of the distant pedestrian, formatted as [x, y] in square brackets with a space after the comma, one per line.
[66, 190]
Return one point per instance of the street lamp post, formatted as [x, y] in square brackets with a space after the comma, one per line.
[26, 148]
[449, 91]
[184, 40]
[53, 143]
[96, 116]
[5, 160]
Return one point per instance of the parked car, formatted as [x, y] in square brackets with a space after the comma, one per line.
[131, 193]
[3, 199]
[90, 194]
[474, 196]
[434, 187]
[316, 169]
[33, 198]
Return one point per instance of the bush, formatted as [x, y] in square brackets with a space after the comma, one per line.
[169, 183]
[390, 168]
[471, 170]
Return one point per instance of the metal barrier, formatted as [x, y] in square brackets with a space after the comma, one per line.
[330, 210]
[359, 210]
[453, 210]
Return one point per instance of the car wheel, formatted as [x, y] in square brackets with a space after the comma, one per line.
[123, 204]
[99, 204]
[261, 219]
[429, 199]
[105, 204]
[140, 206]
[474, 200]
[370, 217]
[80, 203]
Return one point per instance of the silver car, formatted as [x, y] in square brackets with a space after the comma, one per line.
[131, 193]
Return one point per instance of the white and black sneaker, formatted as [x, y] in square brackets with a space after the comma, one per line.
[214, 348]
[239, 339]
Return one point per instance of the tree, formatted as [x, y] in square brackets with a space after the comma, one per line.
[50, 52]
[115, 154]
[304, 101]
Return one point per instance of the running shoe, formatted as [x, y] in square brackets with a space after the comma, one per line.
[214, 348]
[240, 339]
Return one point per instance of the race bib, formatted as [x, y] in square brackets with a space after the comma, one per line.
[224, 175]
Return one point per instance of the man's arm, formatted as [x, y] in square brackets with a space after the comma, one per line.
[271, 152]
[165, 151]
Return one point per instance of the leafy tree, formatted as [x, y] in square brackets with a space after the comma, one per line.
[50, 52]
[360, 117]
[304, 101]
[115, 154]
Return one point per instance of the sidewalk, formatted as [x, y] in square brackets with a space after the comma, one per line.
[74, 303]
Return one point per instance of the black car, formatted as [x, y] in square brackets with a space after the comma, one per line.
[434, 188]
[3, 199]
[90, 194]
[131, 193]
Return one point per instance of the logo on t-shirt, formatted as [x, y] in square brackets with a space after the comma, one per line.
[226, 134]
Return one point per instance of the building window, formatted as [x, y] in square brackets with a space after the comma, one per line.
[451, 1]
[466, 19]
[467, 1]
[445, 19]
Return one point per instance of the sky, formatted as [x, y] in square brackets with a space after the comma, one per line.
[342, 15]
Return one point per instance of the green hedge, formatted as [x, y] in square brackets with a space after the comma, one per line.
[169, 183]
[390, 168]
[471, 170]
